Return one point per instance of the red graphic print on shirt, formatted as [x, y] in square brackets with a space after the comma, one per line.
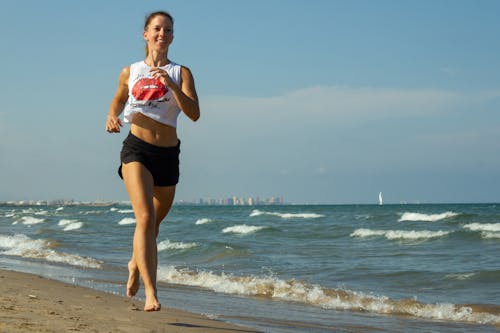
[148, 89]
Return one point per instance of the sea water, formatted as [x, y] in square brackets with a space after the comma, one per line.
[290, 268]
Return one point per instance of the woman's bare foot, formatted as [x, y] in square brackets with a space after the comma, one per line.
[133, 282]
[152, 303]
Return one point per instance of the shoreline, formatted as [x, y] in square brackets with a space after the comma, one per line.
[32, 303]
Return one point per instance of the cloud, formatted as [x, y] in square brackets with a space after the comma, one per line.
[449, 71]
[320, 170]
[298, 141]
[326, 129]
[336, 102]
[487, 95]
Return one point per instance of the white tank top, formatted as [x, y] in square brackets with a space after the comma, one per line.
[149, 96]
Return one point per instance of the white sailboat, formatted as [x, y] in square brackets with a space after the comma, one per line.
[380, 200]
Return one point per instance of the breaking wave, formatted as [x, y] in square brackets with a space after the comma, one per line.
[400, 234]
[409, 216]
[488, 230]
[121, 211]
[460, 276]
[30, 220]
[203, 221]
[127, 221]
[483, 227]
[327, 298]
[490, 235]
[257, 212]
[168, 245]
[70, 224]
[23, 246]
[242, 229]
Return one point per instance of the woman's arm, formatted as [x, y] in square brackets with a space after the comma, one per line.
[113, 123]
[190, 105]
[185, 95]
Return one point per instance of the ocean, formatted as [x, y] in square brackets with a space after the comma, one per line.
[288, 268]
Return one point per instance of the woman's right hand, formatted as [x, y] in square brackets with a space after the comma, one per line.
[113, 124]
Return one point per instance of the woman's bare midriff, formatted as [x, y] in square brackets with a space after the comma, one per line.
[153, 132]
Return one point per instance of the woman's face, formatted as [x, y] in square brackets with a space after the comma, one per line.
[159, 33]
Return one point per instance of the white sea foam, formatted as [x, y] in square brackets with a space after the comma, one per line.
[125, 211]
[367, 233]
[257, 212]
[203, 221]
[91, 212]
[65, 222]
[483, 227]
[316, 295]
[73, 226]
[70, 224]
[409, 216]
[59, 209]
[488, 230]
[362, 216]
[126, 221]
[242, 229]
[460, 276]
[400, 234]
[168, 245]
[23, 246]
[490, 235]
[34, 211]
[30, 220]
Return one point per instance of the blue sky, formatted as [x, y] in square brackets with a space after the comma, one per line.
[315, 101]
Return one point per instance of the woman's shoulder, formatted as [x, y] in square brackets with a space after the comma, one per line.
[125, 71]
[186, 72]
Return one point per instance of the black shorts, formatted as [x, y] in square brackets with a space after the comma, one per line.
[162, 162]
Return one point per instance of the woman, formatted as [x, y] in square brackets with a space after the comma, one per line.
[151, 93]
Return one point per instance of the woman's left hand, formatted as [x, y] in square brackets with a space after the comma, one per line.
[162, 76]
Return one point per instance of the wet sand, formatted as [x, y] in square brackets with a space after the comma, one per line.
[30, 303]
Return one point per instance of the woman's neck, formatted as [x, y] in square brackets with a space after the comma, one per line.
[156, 59]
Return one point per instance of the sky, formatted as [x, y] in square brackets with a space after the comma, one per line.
[321, 102]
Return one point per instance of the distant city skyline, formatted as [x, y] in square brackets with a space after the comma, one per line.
[235, 201]
[227, 201]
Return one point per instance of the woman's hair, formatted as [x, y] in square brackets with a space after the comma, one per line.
[151, 16]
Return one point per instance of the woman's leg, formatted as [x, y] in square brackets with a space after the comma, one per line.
[163, 197]
[139, 184]
[162, 200]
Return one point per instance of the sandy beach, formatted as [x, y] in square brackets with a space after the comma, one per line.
[30, 303]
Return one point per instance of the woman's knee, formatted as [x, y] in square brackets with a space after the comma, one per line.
[145, 220]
